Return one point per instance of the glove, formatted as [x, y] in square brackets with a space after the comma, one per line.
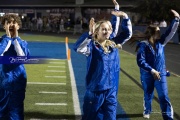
[168, 73]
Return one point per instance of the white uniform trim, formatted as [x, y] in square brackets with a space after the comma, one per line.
[7, 47]
[83, 48]
[171, 34]
[18, 48]
[130, 32]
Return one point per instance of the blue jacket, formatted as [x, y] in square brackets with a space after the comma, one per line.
[148, 59]
[13, 76]
[102, 67]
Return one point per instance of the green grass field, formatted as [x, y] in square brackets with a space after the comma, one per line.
[38, 94]
[130, 93]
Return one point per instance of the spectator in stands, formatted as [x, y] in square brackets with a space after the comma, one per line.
[39, 24]
[61, 25]
[78, 26]
[151, 61]
[12, 76]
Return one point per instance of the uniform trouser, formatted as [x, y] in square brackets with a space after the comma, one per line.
[100, 105]
[148, 84]
[11, 105]
[117, 80]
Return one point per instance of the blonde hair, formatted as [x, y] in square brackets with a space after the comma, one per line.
[107, 43]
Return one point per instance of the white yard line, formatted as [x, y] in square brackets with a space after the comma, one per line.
[175, 74]
[55, 71]
[77, 110]
[55, 76]
[45, 92]
[57, 66]
[62, 104]
[45, 83]
[56, 59]
[57, 62]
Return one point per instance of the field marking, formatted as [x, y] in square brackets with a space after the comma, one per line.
[55, 76]
[51, 104]
[77, 110]
[55, 71]
[45, 92]
[57, 59]
[58, 66]
[175, 74]
[57, 62]
[45, 83]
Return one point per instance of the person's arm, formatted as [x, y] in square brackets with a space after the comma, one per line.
[81, 45]
[141, 57]
[21, 47]
[5, 41]
[166, 37]
[115, 20]
[5, 44]
[126, 28]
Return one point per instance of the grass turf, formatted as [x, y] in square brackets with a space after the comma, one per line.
[130, 93]
[37, 73]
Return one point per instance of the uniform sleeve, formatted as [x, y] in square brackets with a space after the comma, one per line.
[126, 32]
[21, 47]
[115, 23]
[82, 44]
[141, 61]
[5, 44]
[166, 37]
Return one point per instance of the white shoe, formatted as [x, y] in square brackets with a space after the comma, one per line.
[146, 116]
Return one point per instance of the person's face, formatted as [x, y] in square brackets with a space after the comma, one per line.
[104, 32]
[12, 25]
[157, 34]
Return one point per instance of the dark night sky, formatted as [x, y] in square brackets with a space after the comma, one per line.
[41, 3]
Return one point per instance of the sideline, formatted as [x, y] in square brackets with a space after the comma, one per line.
[77, 110]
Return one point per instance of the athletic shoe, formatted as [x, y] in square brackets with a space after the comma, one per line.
[147, 116]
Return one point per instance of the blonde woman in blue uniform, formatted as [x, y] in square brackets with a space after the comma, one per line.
[100, 46]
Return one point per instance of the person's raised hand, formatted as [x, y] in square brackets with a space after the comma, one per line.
[6, 27]
[176, 14]
[115, 2]
[119, 14]
[16, 28]
[91, 25]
